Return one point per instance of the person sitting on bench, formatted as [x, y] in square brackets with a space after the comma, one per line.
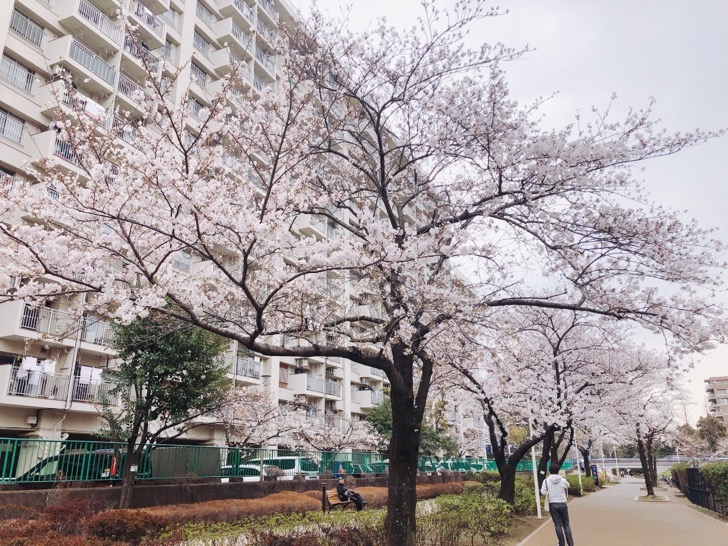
[346, 494]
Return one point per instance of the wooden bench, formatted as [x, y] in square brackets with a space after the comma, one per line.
[330, 500]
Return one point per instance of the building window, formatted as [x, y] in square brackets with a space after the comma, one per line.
[27, 28]
[201, 45]
[199, 75]
[16, 73]
[11, 126]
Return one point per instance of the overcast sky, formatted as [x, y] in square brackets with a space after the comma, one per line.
[586, 50]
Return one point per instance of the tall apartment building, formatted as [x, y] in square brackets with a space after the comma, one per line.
[51, 362]
[717, 390]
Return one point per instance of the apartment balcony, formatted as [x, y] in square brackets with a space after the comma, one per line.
[150, 28]
[133, 97]
[138, 61]
[313, 225]
[226, 60]
[333, 421]
[94, 391]
[82, 18]
[261, 85]
[333, 388]
[45, 320]
[268, 11]
[267, 61]
[38, 384]
[97, 332]
[268, 34]
[244, 368]
[55, 96]
[49, 144]
[367, 399]
[230, 33]
[304, 384]
[157, 7]
[89, 70]
[241, 12]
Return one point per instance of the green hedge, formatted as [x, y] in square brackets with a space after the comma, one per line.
[716, 475]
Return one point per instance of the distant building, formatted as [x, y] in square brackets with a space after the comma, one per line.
[717, 391]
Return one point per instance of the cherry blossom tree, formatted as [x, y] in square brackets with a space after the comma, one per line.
[329, 215]
[645, 411]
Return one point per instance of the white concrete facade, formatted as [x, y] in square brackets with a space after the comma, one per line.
[51, 360]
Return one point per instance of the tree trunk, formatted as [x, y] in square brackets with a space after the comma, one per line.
[127, 484]
[400, 525]
[508, 482]
[651, 460]
[645, 467]
[543, 464]
[587, 463]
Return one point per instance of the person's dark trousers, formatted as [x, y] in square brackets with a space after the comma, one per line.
[358, 501]
[560, 516]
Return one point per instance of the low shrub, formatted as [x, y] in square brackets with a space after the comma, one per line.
[465, 517]
[219, 511]
[130, 526]
[69, 517]
[524, 503]
[486, 476]
[361, 532]
[12, 511]
[587, 485]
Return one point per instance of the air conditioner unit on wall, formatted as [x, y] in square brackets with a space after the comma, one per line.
[302, 363]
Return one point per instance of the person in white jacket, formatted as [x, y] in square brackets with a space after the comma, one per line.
[557, 489]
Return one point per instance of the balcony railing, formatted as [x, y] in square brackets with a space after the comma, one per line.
[87, 58]
[205, 15]
[64, 150]
[11, 127]
[89, 12]
[147, 17]
[315, 383]
[265, 60]
[17, 74]
[133, 90]
[245, 9]
[260, 84]
[377, 397]
[47, 320]
[246, 366]
[93, 391]
[97, 331]
[269, 8]
[124, 131]
[333, 388]
[27, 28]
[171, 17]
[38, 384]
[138, 51]
[266, 32]
[240, 36]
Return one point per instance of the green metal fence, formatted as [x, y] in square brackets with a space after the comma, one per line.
[24, 460]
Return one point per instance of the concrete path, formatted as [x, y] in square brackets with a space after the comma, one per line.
[613, 518]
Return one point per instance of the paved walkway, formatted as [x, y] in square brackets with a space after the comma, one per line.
[613, 518]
